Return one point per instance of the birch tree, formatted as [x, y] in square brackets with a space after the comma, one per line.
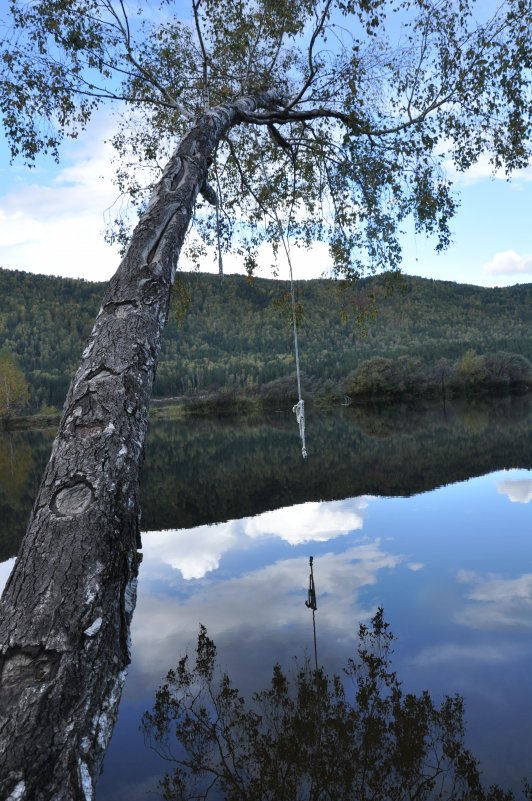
[277, 122]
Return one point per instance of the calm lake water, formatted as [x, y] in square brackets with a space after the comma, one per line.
[426, 512]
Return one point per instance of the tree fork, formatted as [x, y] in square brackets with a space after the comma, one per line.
[67, 606]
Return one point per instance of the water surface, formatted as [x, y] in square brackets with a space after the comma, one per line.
[423, 511]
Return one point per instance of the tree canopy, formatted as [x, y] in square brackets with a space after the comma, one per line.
[368, 101]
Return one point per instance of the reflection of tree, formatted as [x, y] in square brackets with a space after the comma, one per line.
[207, 470]
[204, 471]
[16, 461]
[474, 421]
[23, 455]
[308, 738]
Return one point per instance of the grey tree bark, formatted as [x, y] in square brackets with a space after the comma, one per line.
[66, 609]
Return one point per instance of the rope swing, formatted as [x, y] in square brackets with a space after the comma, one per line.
[299, 408]
[284, 235]
[218, 223]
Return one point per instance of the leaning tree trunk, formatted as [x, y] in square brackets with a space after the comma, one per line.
[66, 609]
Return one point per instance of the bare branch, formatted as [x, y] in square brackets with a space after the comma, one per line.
[204, 58]
[311, 65]
[148, 75]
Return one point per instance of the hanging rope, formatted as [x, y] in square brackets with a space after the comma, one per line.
[218, 235]
[299, 408]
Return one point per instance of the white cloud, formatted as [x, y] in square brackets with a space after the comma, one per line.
[54, 225]
[312, 263]
[306, 263]
[518, 491]
[483, 170]
[508, 262]
[71, 246]
[52, 220]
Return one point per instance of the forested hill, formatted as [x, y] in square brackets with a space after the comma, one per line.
[238, 334]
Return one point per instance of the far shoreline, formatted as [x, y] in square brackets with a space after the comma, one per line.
[229, 403]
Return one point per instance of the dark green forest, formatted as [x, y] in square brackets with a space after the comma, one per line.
[237, 335]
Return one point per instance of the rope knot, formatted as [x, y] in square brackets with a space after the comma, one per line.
[299, 411]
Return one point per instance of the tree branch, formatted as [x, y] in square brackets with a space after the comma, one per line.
[312, 68]
[205, 62]
[356, 125]
[148, 76]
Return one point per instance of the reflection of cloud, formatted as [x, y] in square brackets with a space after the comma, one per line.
[5, 571]
[307, 522]
[518, 491]
[196, 552]
[262, 601]
[498, 602]
[509, 263]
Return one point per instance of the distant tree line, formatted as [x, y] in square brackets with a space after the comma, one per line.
[471, 374]
[236, 336]
[44, 324]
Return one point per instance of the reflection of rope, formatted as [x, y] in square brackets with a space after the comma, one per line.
[311, 603]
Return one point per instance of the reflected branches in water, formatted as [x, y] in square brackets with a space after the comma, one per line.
[310, 736]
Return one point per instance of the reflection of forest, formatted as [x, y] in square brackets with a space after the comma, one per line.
[23, 457]
[206, 470]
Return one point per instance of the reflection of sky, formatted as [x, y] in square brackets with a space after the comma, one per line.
[5, 570]
[196, 552]
[271, 597]
[452, 568]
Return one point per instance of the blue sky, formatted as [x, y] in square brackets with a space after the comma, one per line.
[52, 218]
